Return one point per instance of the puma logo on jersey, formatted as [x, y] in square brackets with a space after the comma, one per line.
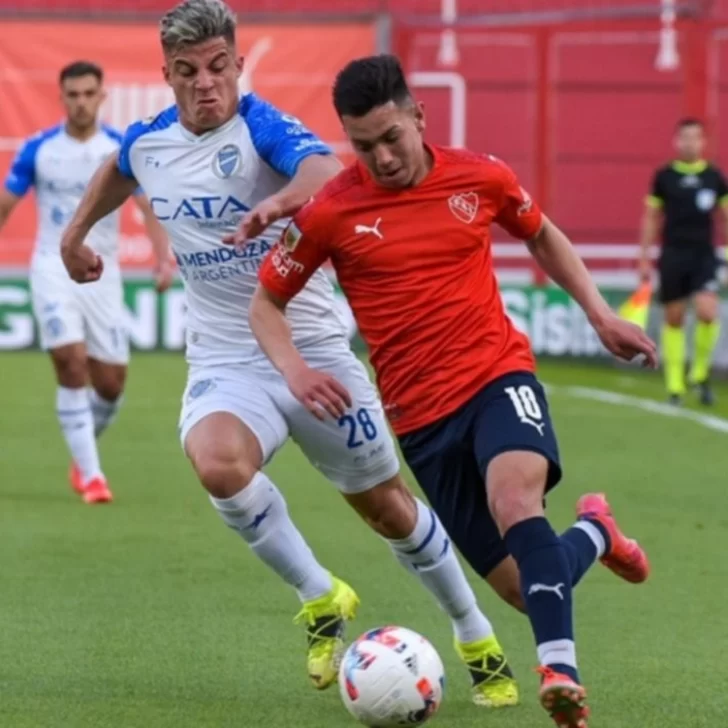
[538, 425]
[556, 589]
[527, 203]
[365, 229]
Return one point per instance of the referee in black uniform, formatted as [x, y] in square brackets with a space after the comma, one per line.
[679, 211]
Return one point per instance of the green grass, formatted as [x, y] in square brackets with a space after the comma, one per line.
[149, 613]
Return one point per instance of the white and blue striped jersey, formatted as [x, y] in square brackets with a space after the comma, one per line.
[200, 187]
[60, 167]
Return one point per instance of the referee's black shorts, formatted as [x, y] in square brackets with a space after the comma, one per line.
[684, 273]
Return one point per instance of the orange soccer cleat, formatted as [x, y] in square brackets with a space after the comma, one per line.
[563, 699]
[75, 479]
[97, 491]
[625, 557]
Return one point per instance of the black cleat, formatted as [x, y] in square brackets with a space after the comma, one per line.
[675, 400]
[705, 391]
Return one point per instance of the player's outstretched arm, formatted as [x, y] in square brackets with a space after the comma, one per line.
[555, 254]
[724, 215]
[164, 269]
[317, 391]
[107, 191]
[312, 173]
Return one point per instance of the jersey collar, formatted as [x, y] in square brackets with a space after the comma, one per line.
[689, 167]
[76, 140]
[189, 136]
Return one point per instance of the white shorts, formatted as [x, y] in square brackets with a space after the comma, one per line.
[70, 313]
[355, 453]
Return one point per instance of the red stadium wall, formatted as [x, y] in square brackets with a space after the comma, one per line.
[292, 66]
[579, 110]
[465, 8]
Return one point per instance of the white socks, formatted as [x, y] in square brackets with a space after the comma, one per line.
[77, 423]
[428, 553]
[558, 652]
[104, 411]
[259, 514]
[594, 534]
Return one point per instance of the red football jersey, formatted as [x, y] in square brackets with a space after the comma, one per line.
[416, 267]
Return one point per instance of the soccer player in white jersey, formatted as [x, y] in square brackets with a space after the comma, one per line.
[214, 164]
[82, 327]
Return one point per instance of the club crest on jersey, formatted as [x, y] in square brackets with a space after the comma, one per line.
[464, 206]
[54, 327]
[227, 161]
[203, 386]
[705, 200]
[291, 236]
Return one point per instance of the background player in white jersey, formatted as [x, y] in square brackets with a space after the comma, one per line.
[82, 327]
[211, 164]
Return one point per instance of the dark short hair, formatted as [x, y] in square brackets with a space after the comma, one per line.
[689, 121]
[77, 69]
[370, 82]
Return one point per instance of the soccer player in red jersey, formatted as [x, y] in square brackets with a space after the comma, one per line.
[407, 230]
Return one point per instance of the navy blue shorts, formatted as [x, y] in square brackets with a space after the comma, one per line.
[449, 459]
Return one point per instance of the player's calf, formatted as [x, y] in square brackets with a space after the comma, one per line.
[390, 509]
[227, 458]
[505, 581]
[70, 365]
[515, 484]
[106, 393]
[73, 409]
[706, 336]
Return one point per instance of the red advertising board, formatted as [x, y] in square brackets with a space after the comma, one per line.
[291, 66]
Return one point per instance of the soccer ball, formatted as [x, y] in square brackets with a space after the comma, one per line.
[391, 676]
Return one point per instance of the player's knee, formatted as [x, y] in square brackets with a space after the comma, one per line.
[706, 309]
[674, 316]
[515, 483]
[107, 379]
[111, 386]
[223, 474]
[389, 508]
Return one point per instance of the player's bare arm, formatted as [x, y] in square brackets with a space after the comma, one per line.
[106, 192]
[312, 174]
[317, 391]
[649, 230]
[8, 201]
[555, 254]
[723, 214]
[164, 265]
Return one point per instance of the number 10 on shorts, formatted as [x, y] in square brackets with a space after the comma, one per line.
[528, 410]
[359, 425]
